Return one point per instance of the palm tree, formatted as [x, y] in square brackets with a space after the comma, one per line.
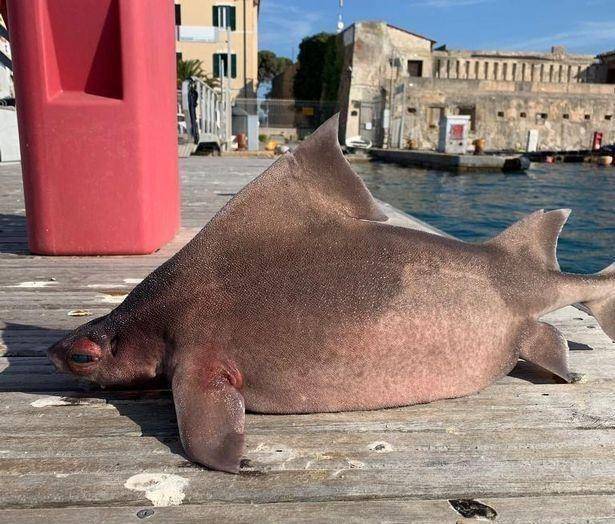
[194, 67]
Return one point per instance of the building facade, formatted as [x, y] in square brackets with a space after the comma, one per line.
[395, 87]
[202, 34]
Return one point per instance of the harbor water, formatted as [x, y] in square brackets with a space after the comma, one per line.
[477, 206]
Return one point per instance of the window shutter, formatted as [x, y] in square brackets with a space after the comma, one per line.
[232, 18]
[216, 65]
[178, 14]
[215, 16]
[234, 66]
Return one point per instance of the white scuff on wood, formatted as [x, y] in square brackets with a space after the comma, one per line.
[112, 299]
[79, 313]
[161, 489]
[50, 401]
[35, 284]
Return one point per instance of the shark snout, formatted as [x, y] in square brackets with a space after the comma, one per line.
[57, 355]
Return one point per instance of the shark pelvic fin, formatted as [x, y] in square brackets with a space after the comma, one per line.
[543, 345]
[535, 237]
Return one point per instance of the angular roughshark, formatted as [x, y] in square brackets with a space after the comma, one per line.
[298, 297]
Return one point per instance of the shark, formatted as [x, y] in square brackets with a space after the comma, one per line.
[299, 296]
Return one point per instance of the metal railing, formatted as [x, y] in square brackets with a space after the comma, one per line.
[205, 108]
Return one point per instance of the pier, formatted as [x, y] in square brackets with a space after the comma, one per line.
[450, 162]
[527, 448]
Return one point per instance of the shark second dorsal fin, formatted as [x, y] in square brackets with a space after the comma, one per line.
[535, 237]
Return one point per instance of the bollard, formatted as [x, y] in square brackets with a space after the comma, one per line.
[96, 103]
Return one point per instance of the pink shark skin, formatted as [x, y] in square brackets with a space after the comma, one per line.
[298, 297]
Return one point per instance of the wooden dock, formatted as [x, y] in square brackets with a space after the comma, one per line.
[527, 449]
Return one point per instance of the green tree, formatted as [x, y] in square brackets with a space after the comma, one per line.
[309, 80]
[332, 70]
[270, 65]
[189, 68]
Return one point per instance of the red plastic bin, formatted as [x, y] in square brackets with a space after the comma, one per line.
[96, 105]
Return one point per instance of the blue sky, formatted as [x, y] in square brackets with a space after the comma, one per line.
[583, 26]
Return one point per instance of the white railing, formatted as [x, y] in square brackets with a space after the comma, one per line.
[210, 112]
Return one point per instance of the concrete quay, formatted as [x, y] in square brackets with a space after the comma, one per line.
[449, 162]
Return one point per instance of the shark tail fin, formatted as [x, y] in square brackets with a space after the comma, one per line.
[603, 310]
[535, 237]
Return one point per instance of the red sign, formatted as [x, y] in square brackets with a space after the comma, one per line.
[456, 132]
[597, 142]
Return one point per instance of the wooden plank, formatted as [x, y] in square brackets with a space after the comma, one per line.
[519, 510]
[527, 406]
[447, 481]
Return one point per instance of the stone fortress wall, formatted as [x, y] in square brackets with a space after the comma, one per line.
[395, 87]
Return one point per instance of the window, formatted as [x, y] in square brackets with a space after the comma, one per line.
[523, 114]
[178, 14]
[415, 68]
[224, 16]
[500, 114]
[588, 117]
[411, 110]
[471, 112]
[221, 65]
[566, 116]
[608, 117]
[178, 57]
[435, 113]
[542, 116]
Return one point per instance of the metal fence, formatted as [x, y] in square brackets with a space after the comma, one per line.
[303, 116]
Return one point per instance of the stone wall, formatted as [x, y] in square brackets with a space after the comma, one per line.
[376, 56]
[554, 67]
[395, 86]
[565, 115]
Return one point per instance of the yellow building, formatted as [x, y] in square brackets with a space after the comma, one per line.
[201, 33]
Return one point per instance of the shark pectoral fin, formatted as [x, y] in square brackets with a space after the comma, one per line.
[543, 345]
[210, 414]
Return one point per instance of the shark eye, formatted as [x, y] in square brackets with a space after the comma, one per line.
[79, 358]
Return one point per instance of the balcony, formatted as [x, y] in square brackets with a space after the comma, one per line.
[197, 33]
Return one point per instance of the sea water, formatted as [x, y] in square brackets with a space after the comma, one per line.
[477, 206]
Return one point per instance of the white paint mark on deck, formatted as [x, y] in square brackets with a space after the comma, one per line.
[133, 280]
[79, 313]
[35, 284]
[274, 453]
[50, 401]
[161, 489]
[112, 299]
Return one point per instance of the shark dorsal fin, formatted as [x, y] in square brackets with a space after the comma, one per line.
[327, 171]
[535, 237]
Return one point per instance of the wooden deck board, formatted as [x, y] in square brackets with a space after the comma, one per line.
[529, 447]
